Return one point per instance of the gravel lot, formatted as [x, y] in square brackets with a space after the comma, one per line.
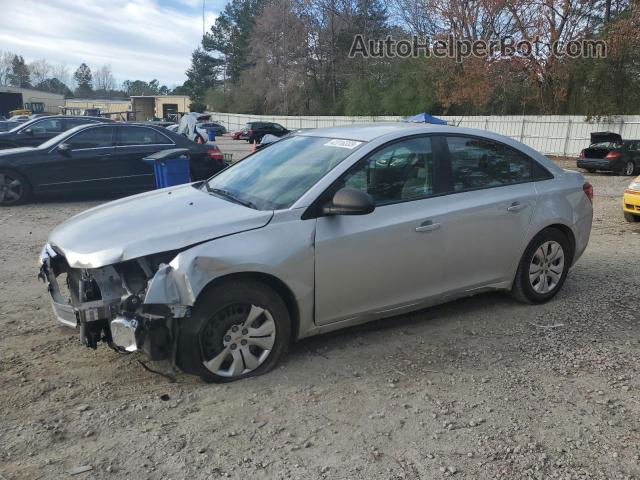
[479, 388]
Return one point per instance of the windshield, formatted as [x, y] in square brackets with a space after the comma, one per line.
[20, 125]
[277, 176]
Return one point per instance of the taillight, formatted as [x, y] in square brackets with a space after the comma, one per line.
[581, 153]
[613, 155]
[214, 153]
[587, 188]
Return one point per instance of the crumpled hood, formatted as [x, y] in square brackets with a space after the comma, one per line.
[151, 222]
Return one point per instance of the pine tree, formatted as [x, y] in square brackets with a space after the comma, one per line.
[19, 76]
[84, 79]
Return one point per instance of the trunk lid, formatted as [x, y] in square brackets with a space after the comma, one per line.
[602, 137]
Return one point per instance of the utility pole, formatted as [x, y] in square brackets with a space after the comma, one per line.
[203, 1]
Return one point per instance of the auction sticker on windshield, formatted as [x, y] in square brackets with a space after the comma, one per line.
[350, 144]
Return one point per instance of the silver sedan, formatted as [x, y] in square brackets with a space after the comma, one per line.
[319, 231]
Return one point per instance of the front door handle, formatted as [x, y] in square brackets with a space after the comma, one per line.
[516, 207]
[427, 226]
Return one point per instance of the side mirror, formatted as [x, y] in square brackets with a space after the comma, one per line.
[28, 131]
[349, 201]
[64, 148]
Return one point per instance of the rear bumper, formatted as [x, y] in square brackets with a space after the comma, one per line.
[582, 233]
[631, 202]
[599, 164]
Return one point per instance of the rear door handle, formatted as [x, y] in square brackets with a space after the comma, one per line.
[427, 226]
[516, 207]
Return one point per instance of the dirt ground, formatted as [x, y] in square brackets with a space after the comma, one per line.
[479, 388]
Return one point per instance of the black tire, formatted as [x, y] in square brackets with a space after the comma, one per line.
[630, 217]
[8, 193]
[201, 336]
[522, 288]
[629, 169]
[590, 170]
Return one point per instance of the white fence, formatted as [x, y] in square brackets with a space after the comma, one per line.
[550, 134]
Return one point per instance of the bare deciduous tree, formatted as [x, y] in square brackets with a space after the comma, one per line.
[6, 59]
[40, 70]
[103, 79]
[61, 72]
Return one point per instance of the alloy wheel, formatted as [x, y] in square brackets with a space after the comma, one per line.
[238, 339]
[629, 168]
[11, 189]
[546, 267]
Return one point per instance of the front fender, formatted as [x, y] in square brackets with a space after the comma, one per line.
[283, 249]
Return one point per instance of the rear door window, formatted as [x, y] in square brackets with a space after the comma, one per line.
[130, 136]
[477, 163]
[98, 137]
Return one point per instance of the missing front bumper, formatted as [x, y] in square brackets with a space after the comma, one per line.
[69, 314]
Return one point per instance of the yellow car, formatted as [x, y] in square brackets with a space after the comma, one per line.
[631, 201]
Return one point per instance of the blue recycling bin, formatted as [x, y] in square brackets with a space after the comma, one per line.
[170, 167]
[212, 134]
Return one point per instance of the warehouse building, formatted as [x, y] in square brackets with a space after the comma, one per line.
[118, 108]
[140, 108]
[15, 98]
[161, 106]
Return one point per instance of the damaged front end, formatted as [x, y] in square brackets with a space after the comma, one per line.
[109, 303]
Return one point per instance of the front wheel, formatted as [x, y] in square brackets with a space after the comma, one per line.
[543, 267]
[14, 188]
[630, 217]
[237, 330]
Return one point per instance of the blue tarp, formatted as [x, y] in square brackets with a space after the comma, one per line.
[425, 118]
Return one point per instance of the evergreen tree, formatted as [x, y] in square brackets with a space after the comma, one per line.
[202, 75]
[231, 34]
[19, 76]
[54, 85]
[84, 79]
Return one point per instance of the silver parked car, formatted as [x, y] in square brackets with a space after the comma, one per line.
[322, 230]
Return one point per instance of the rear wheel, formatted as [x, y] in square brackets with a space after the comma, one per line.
[629, 168]
[543, 267]
[14, 188]
[237, 330]
[630, 217]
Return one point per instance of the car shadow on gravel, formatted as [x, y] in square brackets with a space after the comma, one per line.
[421, 322]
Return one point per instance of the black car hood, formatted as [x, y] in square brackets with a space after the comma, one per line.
[601, 137]
[16, 151]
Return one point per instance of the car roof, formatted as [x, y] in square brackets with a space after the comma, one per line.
[113, 124]
[365, 132]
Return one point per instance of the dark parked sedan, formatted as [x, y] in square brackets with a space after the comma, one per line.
[254, 131]
[38, 130]
[610, 153]
[215, 126]
[104, 158]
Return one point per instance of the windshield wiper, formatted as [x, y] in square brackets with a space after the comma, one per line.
[231, 196]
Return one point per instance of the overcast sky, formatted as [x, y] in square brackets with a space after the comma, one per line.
[140, 39]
